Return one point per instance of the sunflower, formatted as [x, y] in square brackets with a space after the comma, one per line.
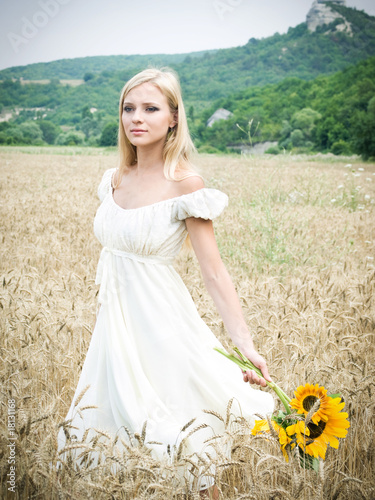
[313, 439]
[260, 426]
[308, 395]
[284, 439]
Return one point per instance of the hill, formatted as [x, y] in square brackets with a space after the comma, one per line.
[75, 69]
[331, 113]
[299, 53]
[205, 77]
[209, 75]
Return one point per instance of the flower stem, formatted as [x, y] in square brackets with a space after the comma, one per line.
[245, 364]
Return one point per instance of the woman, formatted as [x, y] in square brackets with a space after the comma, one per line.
[151, 357]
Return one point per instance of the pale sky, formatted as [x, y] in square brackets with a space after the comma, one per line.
[46, 30]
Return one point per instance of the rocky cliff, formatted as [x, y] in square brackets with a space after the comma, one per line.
[321, 13]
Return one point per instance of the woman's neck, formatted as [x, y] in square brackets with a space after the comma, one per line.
[149, 160]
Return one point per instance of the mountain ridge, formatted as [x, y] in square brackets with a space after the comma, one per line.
[205, 79]
[76, 68]
[62, 68]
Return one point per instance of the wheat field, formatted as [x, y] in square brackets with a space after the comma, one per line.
[298, 239]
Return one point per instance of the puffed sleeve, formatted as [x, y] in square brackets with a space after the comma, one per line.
[204, 203]
[105, 184]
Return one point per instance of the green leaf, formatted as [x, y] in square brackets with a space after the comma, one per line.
[334, 396]
[308, 462]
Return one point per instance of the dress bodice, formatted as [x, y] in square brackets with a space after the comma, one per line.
[156, 230]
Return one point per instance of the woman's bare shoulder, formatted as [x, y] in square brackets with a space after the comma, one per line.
[189, 184]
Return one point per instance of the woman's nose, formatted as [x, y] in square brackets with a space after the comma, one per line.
[137, 116]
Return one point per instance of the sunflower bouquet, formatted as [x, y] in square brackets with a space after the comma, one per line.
[310, 422]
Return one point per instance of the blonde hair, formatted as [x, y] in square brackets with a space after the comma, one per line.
[178, 146]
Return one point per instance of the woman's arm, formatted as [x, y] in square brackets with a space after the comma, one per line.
[224, 295]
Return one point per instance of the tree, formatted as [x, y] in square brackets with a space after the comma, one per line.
[297, 138]
[364, 136]
[285, 131]
[322, 136]
[86, 126]
[340, 148]
[70, 138]
[109, 135]
[50, 131]
[86, 113]
[191, 114]
[14, 136]
[31, 133]
[88, 76]
[305, 120]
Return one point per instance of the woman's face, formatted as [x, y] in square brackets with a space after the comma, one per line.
[146, 116]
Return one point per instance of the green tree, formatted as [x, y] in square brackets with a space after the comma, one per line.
[87, 125]
[86, 113]
[49, 130]
[109, 135]
[31, 133]
[88, 76]
[340, 148]
[322, 136]
[364, 132]
[70, 138]
[305, 120]
[191, 113]
[285, 131]
[14, 136]
[297, 137]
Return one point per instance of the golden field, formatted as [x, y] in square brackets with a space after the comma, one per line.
[298, 238]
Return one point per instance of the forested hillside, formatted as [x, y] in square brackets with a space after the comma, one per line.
[209, 75]
[298, 53]
[245, 80]
[334, 113]
[78, 67]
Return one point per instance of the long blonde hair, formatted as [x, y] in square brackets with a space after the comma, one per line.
[178, 146]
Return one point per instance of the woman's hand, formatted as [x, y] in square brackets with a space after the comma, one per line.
[258, 360]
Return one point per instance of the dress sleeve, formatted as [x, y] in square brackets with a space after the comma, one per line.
[204, 203]
[105, 184]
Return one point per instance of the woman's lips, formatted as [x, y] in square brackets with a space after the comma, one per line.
[138, 131]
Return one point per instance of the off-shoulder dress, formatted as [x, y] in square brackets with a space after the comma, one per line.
[151, 356]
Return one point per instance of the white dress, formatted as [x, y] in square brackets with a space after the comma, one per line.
[151, 356]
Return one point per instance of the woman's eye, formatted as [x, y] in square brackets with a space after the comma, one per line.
[152, 109]
[127, 109]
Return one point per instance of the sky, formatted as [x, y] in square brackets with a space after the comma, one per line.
[46, 30]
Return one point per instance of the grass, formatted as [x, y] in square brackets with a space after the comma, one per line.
[298, 238]
[59, 150]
